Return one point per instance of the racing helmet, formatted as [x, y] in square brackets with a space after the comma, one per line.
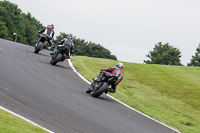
[120, 65]
[69, 38]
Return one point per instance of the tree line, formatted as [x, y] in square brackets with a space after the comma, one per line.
[165, 54]
[13, 20]
[26, 27]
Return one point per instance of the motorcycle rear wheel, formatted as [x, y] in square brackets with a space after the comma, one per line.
[101, 90]
[38, 48]
[56, 60]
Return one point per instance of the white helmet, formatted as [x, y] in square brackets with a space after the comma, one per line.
[120, 65]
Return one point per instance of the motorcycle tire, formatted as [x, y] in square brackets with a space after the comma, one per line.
[56, 59]
[101, 90]
[38, 48]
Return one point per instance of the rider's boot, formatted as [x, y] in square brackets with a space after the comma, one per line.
[106, 91]
[91, 88]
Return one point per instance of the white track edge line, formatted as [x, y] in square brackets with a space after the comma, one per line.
[25, 119]
[74, 69]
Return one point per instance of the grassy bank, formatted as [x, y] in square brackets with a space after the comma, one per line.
[12, 124]
[170, 94]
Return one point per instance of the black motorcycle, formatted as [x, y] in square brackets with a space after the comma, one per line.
[41, 43]
[101, 83]
[61, 54]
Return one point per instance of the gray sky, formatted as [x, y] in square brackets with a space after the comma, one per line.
[128, 28]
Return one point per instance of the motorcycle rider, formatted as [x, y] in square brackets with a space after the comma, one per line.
[49, 32]
[67, 40]
[116, 71]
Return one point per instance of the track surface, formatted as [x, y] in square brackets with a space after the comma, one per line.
[55, 98]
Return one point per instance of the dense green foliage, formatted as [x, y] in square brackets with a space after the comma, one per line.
[12, 20]
[87, 48]
[195, 61]
[170, 94]
[164, 54]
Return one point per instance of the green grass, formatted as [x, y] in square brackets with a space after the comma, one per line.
[170, 94]
[12, 124]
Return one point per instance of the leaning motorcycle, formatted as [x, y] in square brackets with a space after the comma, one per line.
[101, 84]
[61, 54]
[41, 43]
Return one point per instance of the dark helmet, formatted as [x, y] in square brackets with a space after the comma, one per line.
[69, 38]
[52, 26]
[120, 65]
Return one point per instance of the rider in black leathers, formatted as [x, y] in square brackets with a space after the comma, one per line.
[61, 43]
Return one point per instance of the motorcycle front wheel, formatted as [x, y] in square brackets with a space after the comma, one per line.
[38, 47]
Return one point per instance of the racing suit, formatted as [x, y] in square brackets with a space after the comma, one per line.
[49, 32]
[113, 71]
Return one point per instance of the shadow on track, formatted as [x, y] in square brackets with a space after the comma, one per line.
[57, 65]
[103, 97]
[43, 54]
[61, 66]
[30, 51]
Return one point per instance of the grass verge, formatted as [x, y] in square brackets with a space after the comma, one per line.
[12, 124]
[170, 94]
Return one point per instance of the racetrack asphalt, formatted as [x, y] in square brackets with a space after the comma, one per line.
[55, 98]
